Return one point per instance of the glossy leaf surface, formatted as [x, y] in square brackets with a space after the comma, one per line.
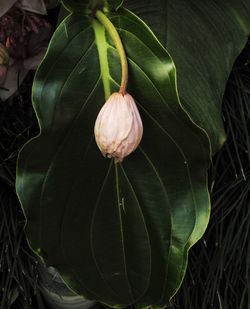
[204, 38]
[117, 232]
[120, 233]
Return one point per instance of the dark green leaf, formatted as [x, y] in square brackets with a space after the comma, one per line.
[118, 233]
[204, 38]
[116, 4]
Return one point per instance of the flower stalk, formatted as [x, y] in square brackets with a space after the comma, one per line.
[118, 127]
[110, 28]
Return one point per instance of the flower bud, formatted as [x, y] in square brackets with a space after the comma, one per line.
[118, 127]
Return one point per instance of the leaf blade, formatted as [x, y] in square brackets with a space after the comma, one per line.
[67, 194]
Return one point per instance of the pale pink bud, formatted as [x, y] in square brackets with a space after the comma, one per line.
[118, 126]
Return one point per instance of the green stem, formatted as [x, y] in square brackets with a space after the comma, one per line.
[102, 47]
[110, 28]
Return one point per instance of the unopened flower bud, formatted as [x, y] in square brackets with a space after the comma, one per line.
[118, 127]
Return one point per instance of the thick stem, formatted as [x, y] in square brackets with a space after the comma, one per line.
[103, 56]
[110, 28]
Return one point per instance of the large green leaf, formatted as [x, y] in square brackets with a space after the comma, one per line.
[204, 38]
[118, 233]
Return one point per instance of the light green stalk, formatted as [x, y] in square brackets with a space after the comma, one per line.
[110, 28]
[103, 56]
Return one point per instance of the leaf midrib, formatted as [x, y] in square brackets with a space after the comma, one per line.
[102, 47]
